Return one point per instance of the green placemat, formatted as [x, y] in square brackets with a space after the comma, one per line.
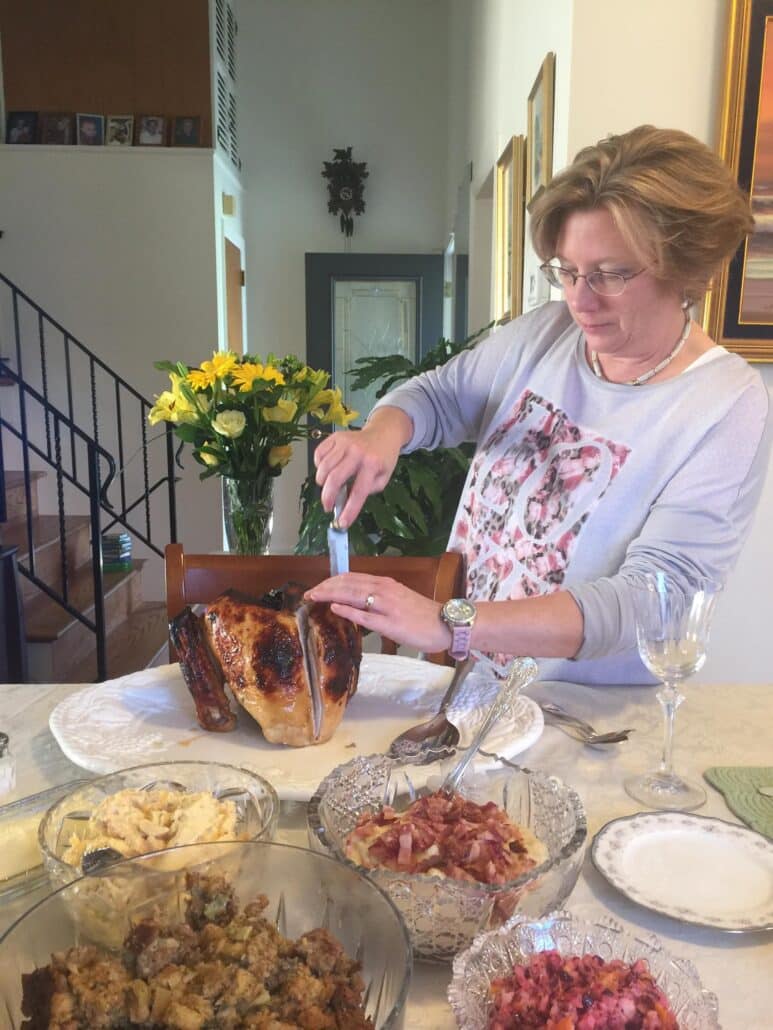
[738, 784]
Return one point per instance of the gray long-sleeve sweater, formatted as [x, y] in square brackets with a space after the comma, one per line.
[578, 483]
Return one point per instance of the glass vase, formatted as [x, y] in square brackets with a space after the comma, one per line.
[248, 513]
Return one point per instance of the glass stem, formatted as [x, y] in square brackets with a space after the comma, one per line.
[670, 699]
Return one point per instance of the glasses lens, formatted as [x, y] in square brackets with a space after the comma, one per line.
[608, 284]
[553, 275]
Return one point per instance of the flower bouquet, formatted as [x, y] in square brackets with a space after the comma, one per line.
[241, 415]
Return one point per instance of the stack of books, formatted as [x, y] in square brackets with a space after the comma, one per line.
[116, 552]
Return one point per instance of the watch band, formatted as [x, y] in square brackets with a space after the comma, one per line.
[460, 642]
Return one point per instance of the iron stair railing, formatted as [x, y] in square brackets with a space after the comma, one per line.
[75, 443]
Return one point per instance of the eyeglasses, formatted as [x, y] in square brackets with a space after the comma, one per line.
[606, 284]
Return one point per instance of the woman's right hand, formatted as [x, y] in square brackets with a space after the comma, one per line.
[364, 458]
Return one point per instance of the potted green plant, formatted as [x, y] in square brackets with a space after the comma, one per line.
[414, 513]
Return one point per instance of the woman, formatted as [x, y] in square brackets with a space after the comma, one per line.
[613, 436]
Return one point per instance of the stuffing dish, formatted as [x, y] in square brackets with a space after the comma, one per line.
[135, 822]
[446, 836]
[222, 968]
[558, 992]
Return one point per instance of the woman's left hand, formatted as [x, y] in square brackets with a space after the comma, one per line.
[385, 606]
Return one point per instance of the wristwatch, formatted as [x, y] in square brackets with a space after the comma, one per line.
[459, 614]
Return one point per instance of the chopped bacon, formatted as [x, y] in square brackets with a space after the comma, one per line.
[452, 836]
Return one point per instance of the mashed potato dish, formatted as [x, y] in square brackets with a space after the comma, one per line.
[136, 822]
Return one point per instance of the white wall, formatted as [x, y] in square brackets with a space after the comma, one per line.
[319, 74]
[119, 247]
[508, 40]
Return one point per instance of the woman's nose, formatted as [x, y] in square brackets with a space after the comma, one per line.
[582, 297]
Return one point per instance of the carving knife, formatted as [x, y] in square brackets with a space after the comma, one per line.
[338, 538]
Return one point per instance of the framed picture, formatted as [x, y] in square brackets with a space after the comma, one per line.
[509, 206]
[186, 131]
[151, 130]
[539, 131]
[119, 130]
[21, 127]
[57, 128]
[90, 130]
[738, 311]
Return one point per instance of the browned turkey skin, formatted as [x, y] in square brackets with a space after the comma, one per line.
[292, 666]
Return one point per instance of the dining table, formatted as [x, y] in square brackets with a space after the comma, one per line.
[727, 724]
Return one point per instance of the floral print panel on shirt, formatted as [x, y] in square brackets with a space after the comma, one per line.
[531, 488]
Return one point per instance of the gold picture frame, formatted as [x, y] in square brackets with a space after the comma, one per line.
[509, 207]
[539, 130]
[738, 310]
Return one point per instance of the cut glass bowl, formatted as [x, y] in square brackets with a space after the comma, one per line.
[305, 890]
[493, 954]
[443, 915]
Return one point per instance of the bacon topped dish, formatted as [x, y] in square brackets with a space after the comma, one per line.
[446, 836]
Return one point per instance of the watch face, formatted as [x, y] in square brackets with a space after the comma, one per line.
[459, 610]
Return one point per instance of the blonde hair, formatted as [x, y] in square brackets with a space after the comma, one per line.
[675, 202]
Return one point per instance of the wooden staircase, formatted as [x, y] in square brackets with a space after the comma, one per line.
[61, 649]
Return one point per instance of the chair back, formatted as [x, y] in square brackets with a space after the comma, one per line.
[193, 579]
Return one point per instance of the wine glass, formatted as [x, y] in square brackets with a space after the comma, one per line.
[672, 630]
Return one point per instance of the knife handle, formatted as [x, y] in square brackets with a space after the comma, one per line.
[338, 506]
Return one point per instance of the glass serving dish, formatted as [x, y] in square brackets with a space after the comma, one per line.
[493, 954]
[444, 915]
[256, 801]
[21, 861]
[305, 890]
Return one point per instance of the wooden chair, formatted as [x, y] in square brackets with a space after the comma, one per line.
[199, 578]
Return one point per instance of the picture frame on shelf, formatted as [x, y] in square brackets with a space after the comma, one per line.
[90, 130]
[186, 131]
[119, 130]
[21, 127]
[539, 130]
[738, 309]
[57, 128]
[151, 130]
[509, 181]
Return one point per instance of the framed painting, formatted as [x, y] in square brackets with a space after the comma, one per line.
[539, 130]
[509, 207]
[738, 311]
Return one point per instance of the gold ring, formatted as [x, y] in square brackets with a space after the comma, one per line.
[370, 600]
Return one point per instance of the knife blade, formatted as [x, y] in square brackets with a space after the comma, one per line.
[338, 538]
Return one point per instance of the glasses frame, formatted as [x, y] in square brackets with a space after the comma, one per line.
[548, 269]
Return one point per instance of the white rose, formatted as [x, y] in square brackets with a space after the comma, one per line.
[229, 423]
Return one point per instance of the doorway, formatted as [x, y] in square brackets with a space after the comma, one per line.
[368, 305]
[234, 288]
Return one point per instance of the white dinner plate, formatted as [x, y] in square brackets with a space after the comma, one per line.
[150, 716]
[691, 867]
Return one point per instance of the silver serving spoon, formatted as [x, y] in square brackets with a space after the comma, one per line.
[437, 733]
[523, 671]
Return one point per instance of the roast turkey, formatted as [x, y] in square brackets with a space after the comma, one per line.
[293, 666]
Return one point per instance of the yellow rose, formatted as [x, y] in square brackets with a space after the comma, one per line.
[280, 455]
[283, 411]
[229, 423]
[208, 458]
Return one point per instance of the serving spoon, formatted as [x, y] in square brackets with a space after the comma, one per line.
[522, 672]
[436, 734]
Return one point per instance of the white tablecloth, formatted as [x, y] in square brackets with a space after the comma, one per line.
[718, 725]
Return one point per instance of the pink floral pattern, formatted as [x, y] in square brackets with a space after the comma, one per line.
[532, 486]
